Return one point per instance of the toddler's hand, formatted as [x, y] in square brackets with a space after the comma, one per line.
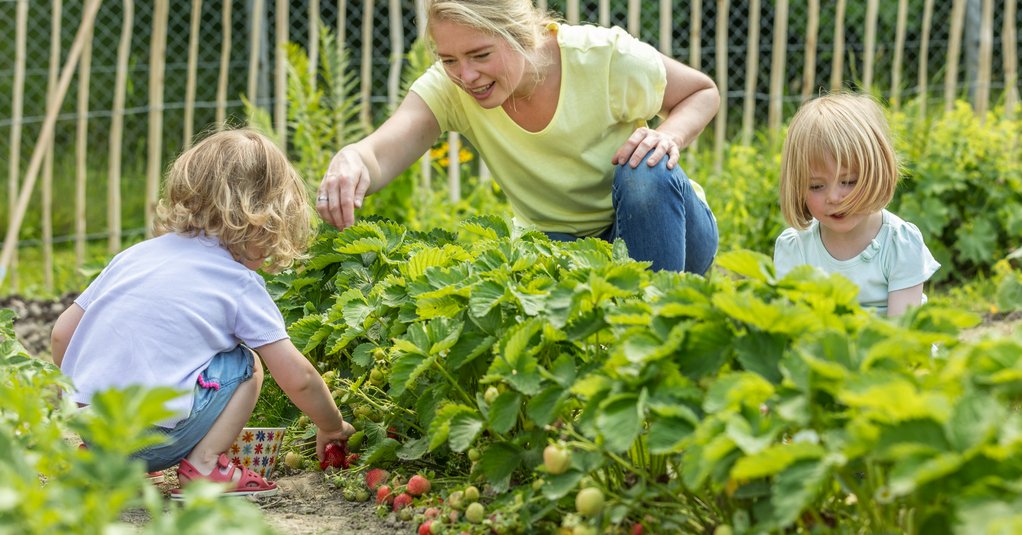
[323, 438]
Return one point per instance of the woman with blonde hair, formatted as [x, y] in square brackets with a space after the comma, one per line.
[838, 174]
[559, 114]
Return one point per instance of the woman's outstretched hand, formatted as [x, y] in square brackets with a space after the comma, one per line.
[641, 142]
[343, 188]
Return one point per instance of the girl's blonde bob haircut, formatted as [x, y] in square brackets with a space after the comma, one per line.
[238, 186]
[850, 129]
[517, 22]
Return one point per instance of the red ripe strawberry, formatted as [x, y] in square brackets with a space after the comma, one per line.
[636, 529]
[376, 477]
[383, 495]
[403, 500]
[418, 485]
[334, 456]
[424, 527]
[351, 459]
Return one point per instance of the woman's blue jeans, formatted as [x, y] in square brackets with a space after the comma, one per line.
[660, 218]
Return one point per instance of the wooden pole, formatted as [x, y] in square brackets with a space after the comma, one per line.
[47, 185]
[986, 51]
[313, 40]
[453, 167]
[695, 54]
[572, 14]
[17, 117]
[634, 11]
[604, 13]
[924, 55]
[225, 62]
[812, 37]
[397, 49]
[113, 192]
[367, 64]
[954, 49]
[342, 23]
[837, 64]
[280, 76]
[81, 148]
[45, 134]
[777, 59]
[1009, 42]
[425, 161]
[154, 139]
[541, 5]
[899, 52]
[666, 28]
[751, 73]
[720, 122]
[255, 38]
[871, 44]
[193, 61]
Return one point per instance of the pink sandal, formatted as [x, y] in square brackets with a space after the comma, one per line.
[250, 484]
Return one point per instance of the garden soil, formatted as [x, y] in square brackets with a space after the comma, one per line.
[307, 503]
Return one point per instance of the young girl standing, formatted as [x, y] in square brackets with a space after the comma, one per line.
[183, 309]
[838, 173]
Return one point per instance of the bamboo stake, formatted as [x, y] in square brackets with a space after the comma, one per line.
[871, 43]
[45, 134]
[280, 87]
[695, 61]
[453, 167]
[313, 40]
[225, 62]
[954, 49]
[665, 30]
[541, 5]
[193, 60]
[812, 38]
[17, 113]
[113, 192]
[837, 65]
[573, 10]
[924, 54]
[986, 50]
[154, 140]
[899, 46]
[342, 23]
[47, 185]
[604, 13]
[720, 122]
[1009, 43]
[254, 43]
[367, 64]
[634, 10]
[82, 147]
[397, 47]
[425, 161]
[751, 73]
[777, 58]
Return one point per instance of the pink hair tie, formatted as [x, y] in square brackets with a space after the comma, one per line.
[208, 384]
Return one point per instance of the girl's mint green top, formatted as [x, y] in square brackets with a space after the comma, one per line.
[559, 179]
[896, 259]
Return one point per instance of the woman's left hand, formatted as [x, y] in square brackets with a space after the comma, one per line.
[641, 142]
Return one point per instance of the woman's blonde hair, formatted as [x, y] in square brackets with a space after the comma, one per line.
[518, 22]
[238, 186]
[852, 130]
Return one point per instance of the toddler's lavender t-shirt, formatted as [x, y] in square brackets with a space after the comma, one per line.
[160, 311]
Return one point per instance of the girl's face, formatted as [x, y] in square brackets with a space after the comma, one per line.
[485, 66]
[827, 188]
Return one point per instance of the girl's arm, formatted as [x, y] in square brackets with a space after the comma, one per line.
[898, 301]
[297, 377]
[691, 99]
[63, 329]
[366, 166]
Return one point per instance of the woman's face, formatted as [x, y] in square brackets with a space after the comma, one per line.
[484, 65]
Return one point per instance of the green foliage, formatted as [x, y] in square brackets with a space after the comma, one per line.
[48, 485]
[777, 402]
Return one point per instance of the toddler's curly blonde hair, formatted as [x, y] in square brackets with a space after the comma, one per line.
[238, 186]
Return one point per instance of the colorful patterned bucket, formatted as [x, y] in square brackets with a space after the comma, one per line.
[256, 448]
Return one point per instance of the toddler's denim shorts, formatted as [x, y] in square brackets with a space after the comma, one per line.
[215, 387]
